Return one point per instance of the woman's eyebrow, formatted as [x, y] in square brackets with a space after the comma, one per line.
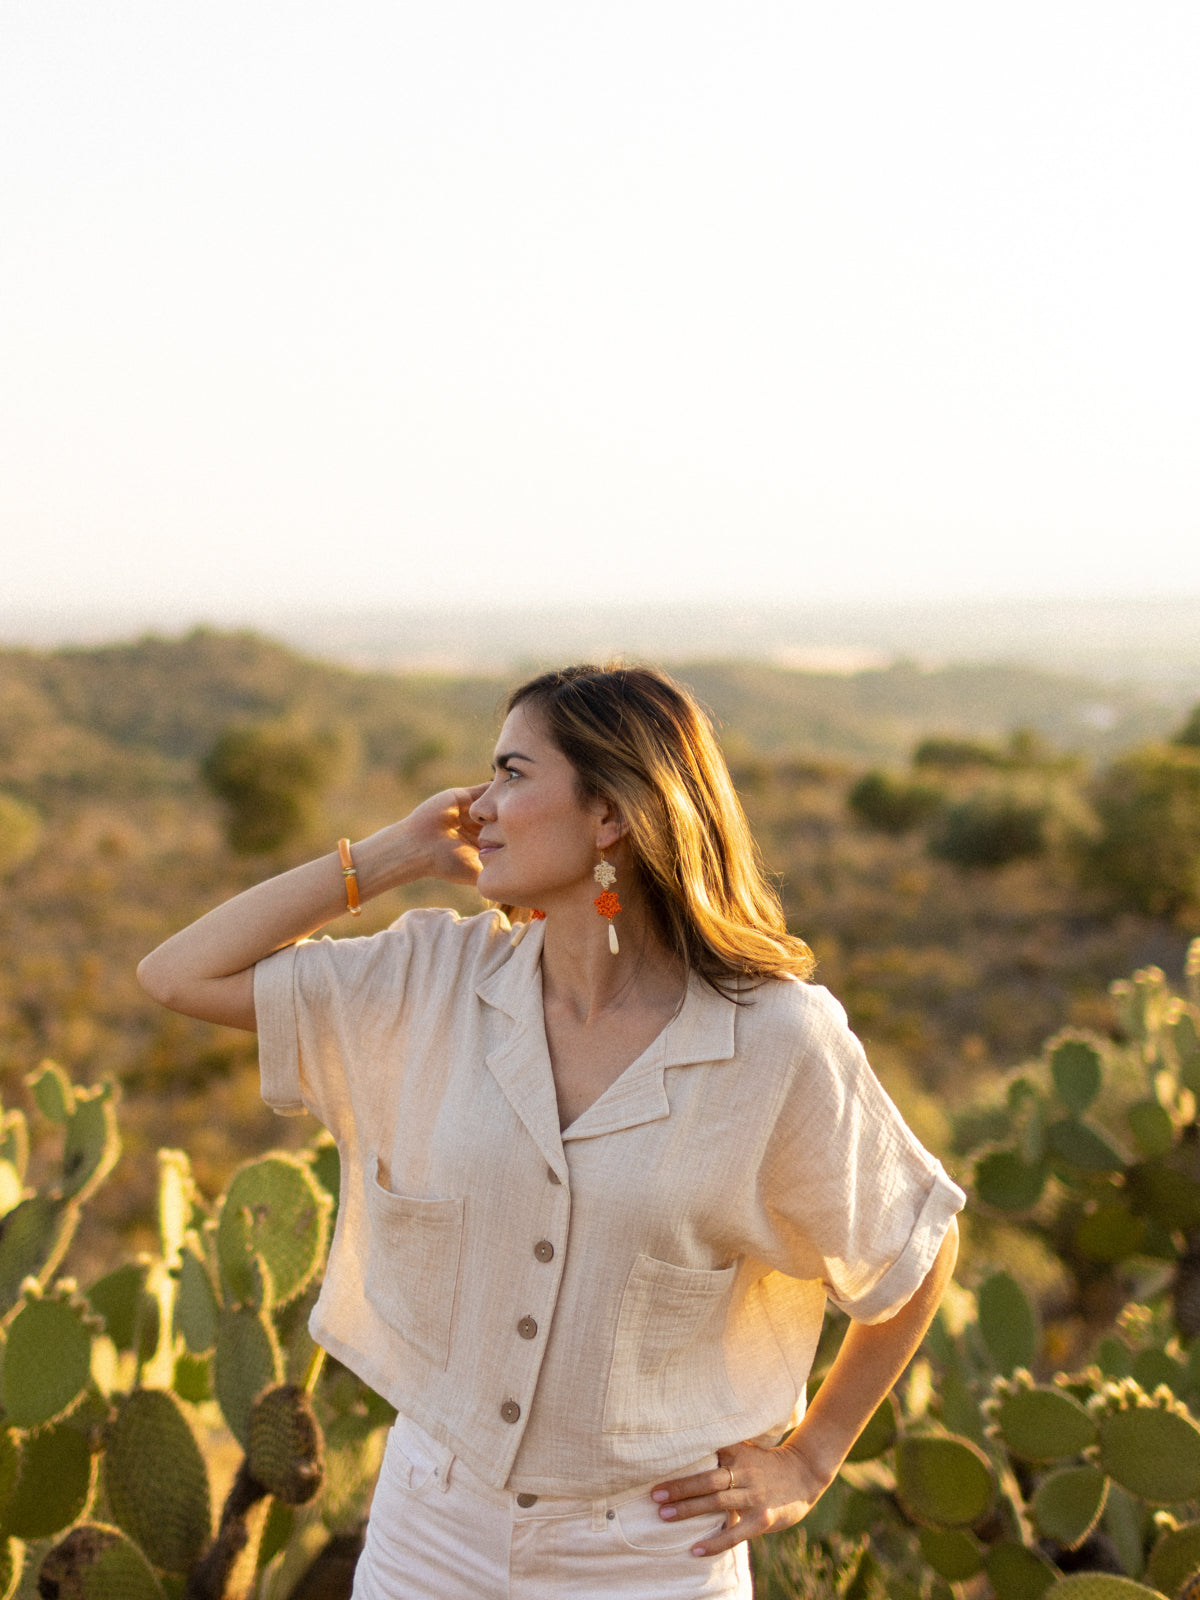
[500, 761]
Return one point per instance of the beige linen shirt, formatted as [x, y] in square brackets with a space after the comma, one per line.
[582, 1311]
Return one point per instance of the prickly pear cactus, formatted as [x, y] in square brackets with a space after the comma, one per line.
[95, 1562]
[1149, 1444]
[156, 1481]
[285, 1447]
[47, 1356]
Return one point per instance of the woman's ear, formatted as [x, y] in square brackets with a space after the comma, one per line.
[610, 825]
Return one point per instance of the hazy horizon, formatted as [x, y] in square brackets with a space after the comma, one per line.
[1154, 640]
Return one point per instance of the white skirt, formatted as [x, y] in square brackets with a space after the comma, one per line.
[437, 1532]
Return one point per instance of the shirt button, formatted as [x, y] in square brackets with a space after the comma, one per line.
[510, 1411]
[527, 1328]
[544, 1250]
[527, 1500]
[553, 1176]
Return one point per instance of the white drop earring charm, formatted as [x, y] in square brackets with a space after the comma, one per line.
[606, 903]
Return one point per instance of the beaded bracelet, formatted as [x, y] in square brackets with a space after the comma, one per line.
[350, 873]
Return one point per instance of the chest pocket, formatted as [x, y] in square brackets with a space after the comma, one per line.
[668, 1366]
[413, 1251]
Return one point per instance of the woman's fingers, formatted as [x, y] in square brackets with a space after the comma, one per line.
[757, 1490]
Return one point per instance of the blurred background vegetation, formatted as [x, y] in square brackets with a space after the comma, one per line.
[974, 854]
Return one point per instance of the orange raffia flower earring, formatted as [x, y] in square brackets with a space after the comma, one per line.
[606, 903]
[523, 928]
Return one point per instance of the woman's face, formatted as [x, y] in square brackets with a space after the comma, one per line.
[537, 837]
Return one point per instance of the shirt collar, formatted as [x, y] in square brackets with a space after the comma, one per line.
[702, 1030]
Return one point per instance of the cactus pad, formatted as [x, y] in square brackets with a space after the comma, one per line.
[192, 1378]
[1166, 1195]
[879, 1434]
[1099, 1586]
[156, 1481]
[196, 1301]
[54, 1483]
[1007, 1183]
[1043, 1424]
[953, 1553]
[1153, 1451]
[1075, 1068]
[1082, 1146]
[285, 1453]
[1175, 1558]
[1109, 1233]
[47, 1360]
[94, 1562]
[1016, 1572]
[245, 1280]
[1008, 1323]
[1069, 1504]
[10, 1467]
[944, 1481]
[288, 1213]
[354, 1451]
[327, 1167]
[1151, 1125]
[247, 1361]
[52, 1092]
[128, 1311]
[33, 1237]
[91, 1146]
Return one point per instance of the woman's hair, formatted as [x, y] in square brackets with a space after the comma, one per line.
[640, 740]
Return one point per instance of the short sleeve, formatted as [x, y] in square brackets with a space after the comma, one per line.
[854, 1199]
[333, 1013]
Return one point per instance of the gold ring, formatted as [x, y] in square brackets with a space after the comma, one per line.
[729, 1470]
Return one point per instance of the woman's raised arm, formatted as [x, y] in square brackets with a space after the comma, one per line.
[207, 969]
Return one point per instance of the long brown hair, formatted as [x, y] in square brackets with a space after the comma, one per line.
[639, 740]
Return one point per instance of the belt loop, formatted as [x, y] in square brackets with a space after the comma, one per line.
[446, 1460]
[599, 1515]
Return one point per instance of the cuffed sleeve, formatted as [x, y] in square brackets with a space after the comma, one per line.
[853, 1198]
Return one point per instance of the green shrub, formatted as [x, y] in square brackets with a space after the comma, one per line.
[892, 805]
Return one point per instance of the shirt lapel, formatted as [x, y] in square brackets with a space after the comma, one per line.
[703, 1030]
[517, 1056]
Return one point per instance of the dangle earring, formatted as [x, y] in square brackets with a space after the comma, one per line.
[523, 928]
[606, 903]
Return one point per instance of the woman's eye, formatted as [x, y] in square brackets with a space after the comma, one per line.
[510, 772]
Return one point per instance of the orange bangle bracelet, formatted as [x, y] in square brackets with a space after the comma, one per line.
[350, 873]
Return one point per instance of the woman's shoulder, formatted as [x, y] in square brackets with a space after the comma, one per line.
[481, 940]
[795, 1006]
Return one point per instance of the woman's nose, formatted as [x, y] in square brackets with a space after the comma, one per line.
[481, 808]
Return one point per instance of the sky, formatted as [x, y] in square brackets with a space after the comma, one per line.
[409, 304]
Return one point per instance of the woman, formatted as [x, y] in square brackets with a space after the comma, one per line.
[599, 1172]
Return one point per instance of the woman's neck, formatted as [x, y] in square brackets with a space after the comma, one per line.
[581, 974]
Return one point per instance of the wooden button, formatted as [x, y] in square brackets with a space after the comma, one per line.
[527, 1328]
[527, 1500]
[510, 1411]
[544, 1250]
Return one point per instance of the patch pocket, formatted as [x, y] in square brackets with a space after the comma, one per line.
[641, 1528]
[668, 1365]
[413, 1252]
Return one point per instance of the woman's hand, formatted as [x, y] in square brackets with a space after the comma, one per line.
[762, 1490]
[443, 829]
[759, 1491]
